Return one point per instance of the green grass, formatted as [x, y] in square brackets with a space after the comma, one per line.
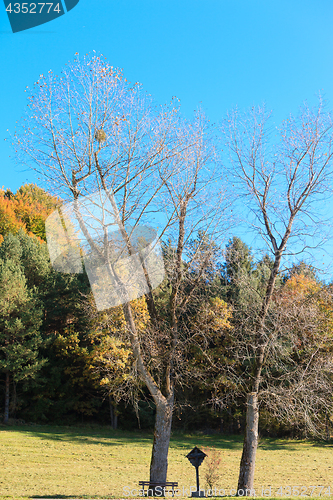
[97, 462]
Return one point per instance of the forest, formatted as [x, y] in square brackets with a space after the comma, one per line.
[63, 362]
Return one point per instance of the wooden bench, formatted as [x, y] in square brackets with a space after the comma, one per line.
[162, 487]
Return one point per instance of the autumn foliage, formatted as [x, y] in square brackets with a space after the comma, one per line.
[27, 210]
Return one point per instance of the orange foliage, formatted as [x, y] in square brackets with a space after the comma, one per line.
[27, 210]
[298, 287]
[9, 222]
[311, 303]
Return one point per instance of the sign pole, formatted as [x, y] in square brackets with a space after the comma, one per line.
[196, 458]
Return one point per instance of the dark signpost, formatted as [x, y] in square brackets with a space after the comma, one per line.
[196, 457]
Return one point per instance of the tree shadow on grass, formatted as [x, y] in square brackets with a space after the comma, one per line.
[235, 442]
[65, 497]
[221, 441]
[55, 496]
[322, 444]
[106, 436]
[276, 444]
[85, 435]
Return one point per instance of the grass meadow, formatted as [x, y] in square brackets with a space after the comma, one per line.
[98, 462]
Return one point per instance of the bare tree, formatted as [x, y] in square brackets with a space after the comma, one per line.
[282, 186]
[90, 129]
[297, 387]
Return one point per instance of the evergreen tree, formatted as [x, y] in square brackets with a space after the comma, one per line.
[20, 319]
[238, 273]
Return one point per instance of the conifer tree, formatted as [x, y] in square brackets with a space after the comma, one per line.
[20, 319]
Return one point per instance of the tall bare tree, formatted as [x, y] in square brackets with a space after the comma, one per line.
[90, 129]
[282, 186]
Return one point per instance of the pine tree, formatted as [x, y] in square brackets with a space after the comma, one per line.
[20, 319]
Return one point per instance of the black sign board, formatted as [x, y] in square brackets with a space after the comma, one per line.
[196, 457]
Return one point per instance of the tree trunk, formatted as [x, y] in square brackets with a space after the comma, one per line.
[328, 427]
[14, 400]
[162, 433]
[6, 413]
[247, 465]
[113, 414]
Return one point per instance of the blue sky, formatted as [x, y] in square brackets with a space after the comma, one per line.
[216, 53]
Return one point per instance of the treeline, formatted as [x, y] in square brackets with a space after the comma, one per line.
[63, 362]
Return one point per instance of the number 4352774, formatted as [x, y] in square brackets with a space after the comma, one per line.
[33, 8]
